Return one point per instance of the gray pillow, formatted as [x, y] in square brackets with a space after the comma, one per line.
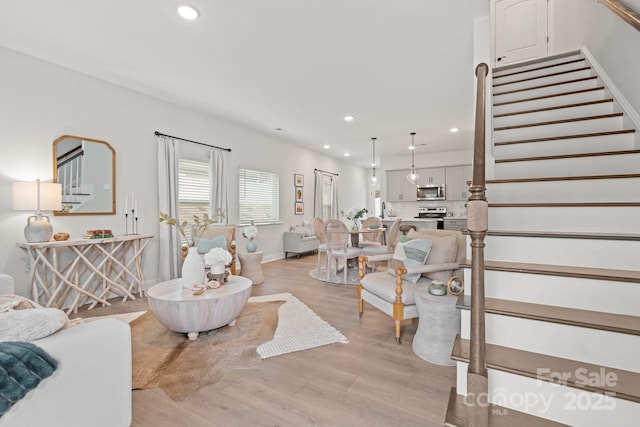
[443, 250]
[410, 254]
[205, 245]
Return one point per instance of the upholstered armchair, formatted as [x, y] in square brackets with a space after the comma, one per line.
[393, 292]
[216, 236]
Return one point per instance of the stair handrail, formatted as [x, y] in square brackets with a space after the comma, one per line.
[477, 225]
[627, 14]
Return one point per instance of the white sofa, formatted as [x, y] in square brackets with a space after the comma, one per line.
[91, 385]
[296, 242]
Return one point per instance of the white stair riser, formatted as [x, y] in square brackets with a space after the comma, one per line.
[557, 114]
[594, 144]
[592, 95]
[565, 341]
[571, 292]
[543, 79]
[560, 129]
[621, 255]
[567, 219]
[576, 166]
[585, 190]
[545, 91]
[555, 402]
[533, 72]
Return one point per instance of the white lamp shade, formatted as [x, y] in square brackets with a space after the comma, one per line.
[25, 196]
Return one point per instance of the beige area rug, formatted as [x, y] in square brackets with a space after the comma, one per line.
[268, 326]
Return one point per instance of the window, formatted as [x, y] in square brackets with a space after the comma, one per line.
[327, 199]
[193, 190]
[259, 196]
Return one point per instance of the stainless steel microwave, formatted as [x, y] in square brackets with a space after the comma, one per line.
[431, 192]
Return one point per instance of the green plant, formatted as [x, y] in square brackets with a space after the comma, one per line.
[200, 222]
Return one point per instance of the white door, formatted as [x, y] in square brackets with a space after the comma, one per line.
[520, 30]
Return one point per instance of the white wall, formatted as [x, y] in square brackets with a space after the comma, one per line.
[41, 101]
[614, 44]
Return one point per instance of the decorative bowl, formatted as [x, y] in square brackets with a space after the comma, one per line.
[60, 236]
[374, 227]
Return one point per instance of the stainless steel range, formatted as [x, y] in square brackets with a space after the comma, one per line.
[438, 213]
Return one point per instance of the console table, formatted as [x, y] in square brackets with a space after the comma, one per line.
[79, 271]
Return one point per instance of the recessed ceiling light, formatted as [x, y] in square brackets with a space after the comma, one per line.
[326, 146]
[347, 154]
[188, 12]
[453, 130]
[348, 118]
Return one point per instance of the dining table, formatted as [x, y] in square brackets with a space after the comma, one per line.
[355, 234]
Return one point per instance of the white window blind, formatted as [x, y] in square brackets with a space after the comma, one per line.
[259, 194]
[193, 190]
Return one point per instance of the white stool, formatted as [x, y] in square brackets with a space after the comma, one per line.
[437, 328]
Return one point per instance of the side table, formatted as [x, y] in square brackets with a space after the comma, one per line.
[251, 266]
[437, 328]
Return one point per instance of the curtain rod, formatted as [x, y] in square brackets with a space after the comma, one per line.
[195, 142]
[330, 173]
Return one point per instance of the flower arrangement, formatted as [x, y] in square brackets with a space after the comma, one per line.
[354, 213]
[250, 231]
[217, 256]
[199, 223]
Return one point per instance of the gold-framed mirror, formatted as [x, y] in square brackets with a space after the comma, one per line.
[86, 168]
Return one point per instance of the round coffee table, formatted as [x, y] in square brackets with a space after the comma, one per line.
[181, 311]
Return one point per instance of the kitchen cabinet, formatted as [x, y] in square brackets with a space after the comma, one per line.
[398, 188]
[430, 176]
[456, 182]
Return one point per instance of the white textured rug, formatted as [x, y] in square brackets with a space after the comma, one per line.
[125, 317]
[299, 328]
[352, 276]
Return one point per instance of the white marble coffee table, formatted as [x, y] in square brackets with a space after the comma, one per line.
[181, 311]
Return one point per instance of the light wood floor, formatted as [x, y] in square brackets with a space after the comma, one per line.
[371, 381]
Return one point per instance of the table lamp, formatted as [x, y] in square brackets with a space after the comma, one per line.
[29, 196]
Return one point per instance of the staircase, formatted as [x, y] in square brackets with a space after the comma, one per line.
[562, 255]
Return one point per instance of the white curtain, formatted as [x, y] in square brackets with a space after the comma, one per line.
[170, 258]
[218, 196]
[318, 195]
[318, 199]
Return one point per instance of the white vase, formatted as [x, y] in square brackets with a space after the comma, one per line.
[192, 268]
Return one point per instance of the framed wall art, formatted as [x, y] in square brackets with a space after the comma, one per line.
[298, 180]
[299, 194]
[299, 208]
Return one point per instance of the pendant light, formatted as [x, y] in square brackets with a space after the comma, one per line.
[413, 177]
[373, 179]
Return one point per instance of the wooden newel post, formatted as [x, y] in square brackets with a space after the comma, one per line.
[477, 224]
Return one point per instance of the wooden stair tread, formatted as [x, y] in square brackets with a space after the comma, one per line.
[556, 122]
[527, 364]
[525, 89]
[559, 107]
[544, 60]
[574, 136]
[565, 235]
[498, 415]
[569, 156]
[541, 76]
[562, 178]
[612, 322]
[573, 92]
[608, 274]
[565, 205]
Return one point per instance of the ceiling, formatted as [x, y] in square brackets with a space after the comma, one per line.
[289, 68]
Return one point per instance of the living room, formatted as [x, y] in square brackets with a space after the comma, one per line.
[42, 101]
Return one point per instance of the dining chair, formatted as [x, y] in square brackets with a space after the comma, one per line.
[337, 238]
[372, 238]
[318, 223]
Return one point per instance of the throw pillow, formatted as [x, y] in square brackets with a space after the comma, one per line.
[31, 323]
[205, 245]
[410, 254]
[443, 250]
